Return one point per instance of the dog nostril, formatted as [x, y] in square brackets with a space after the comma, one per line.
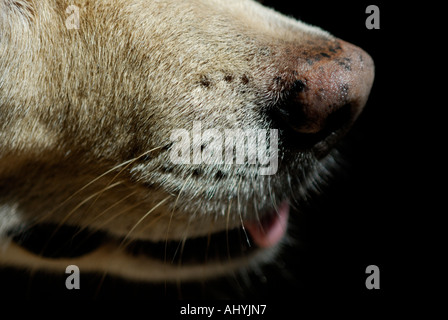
[308, 124]
[304, 134]
[339, 119]
[314, 116]
[298, 85]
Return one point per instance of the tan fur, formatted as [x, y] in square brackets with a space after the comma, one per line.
[76, 105]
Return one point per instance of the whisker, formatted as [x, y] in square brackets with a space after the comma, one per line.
[63, 221]
[291, 189]
[227, 230]
[100, 284]
[271, 195]
[79, 205]
[258, 215]
[254, 198]
[107, 209]
[113, 217]
[141, 220]
[172, 214]
[240, 214]
[153, 221]
[122, 243]
[182, 246]
[125, 163]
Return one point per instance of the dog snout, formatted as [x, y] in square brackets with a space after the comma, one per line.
[322, 91]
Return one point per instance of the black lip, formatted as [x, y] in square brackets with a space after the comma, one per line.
[51, 241]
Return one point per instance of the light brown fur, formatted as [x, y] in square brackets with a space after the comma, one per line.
[86, 115]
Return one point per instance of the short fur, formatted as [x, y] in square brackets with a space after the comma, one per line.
[86, 116]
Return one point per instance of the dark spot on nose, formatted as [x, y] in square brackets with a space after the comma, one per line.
[299, 85]
[346, 63]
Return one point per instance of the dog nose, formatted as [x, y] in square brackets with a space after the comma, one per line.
[325, 93]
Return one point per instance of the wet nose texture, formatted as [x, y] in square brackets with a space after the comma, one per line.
[322, 91]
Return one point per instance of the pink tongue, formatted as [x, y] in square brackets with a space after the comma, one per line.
[271, 229]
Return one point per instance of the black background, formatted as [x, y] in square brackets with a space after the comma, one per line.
[373, 214]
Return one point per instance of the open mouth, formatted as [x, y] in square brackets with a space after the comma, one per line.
[224, 247]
